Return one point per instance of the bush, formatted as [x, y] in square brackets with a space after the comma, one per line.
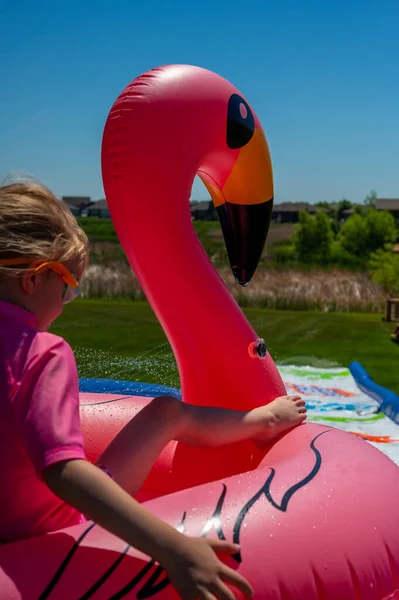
[313, 238]
[283, 253]
[384, 267]
[382, 228]
[353, 236]
[363, 234]
[340, 256]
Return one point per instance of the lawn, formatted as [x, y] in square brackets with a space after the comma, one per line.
[123, 340]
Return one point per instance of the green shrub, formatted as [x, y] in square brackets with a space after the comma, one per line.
[313, 238]
[341, 257]
[283, 253]
[384, 267]
[363, 234]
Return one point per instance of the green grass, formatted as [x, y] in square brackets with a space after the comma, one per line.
[123, 340]
[98, 230]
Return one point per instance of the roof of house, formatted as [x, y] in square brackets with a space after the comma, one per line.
[312, 208]
[99, 205]
[70, 206]
[387, 204]
[77, 201]
[296, 207]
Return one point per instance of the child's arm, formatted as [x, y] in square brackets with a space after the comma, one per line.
[191, 563]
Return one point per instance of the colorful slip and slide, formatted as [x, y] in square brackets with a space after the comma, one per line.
[334, 398]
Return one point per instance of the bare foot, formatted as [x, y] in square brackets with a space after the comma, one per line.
[274, 419]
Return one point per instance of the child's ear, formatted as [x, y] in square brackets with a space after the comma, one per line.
[29, 283]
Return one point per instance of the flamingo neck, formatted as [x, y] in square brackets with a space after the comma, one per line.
[207, 330]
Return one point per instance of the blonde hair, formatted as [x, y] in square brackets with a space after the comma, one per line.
[36, 226]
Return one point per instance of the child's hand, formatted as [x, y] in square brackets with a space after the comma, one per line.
[196, 572]
[191, 563]
[270, 421]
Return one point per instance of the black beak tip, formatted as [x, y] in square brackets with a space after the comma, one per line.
[245, 229]
[241, 276]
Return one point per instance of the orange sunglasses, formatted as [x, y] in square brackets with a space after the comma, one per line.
[71, 284]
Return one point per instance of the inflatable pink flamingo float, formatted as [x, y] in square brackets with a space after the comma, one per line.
[317, 513]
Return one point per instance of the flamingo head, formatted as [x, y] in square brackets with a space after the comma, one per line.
[241, 185]
[172, 123]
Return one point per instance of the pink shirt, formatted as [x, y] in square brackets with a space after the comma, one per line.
[39, 424]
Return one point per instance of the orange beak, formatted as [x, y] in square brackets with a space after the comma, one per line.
[244, 204]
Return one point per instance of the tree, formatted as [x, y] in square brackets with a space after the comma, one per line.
[304, 240]
[313, 238]
[343, 205]
[382, 228]
[384, 267]
[354, 236]
[370, 199]
[363, 234]
[324, 237]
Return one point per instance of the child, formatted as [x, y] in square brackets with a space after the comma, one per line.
[43, 254]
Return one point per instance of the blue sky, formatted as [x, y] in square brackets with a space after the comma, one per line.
[322, 76]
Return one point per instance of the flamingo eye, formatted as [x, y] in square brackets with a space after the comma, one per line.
[240, 122]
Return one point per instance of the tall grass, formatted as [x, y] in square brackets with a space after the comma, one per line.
[110, 281]
[326, 291]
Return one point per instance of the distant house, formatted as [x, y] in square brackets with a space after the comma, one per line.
[389, 204]
[288, 212]
[99, 209]
[348, 212]
[203, 211]
[74, 210]
[76, 204]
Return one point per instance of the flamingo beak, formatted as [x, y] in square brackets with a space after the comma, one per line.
[244, 206]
